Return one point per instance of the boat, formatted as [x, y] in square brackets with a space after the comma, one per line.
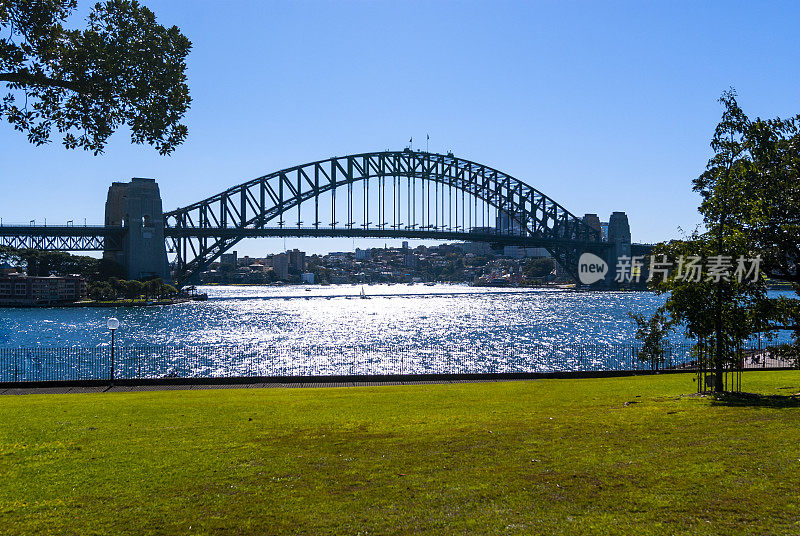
[363, 296]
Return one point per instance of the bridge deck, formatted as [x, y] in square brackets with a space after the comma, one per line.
[99, 237]
[62, 237]
[354, 232]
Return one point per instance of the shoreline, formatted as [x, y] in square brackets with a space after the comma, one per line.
[96, 304]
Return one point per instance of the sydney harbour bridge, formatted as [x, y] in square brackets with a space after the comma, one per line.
[390, 194]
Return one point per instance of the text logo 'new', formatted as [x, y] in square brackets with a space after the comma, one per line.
[591, 268]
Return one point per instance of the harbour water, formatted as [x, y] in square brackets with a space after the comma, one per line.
[296, 330]
[417, 315]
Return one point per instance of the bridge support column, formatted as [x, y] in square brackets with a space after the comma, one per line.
[619, 238]
[136, 206]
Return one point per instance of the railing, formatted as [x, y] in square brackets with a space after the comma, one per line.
[43, 223]
[217, 361]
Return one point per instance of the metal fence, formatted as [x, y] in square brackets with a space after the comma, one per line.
[219, 361]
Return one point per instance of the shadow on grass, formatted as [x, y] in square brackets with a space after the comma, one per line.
[756, 400]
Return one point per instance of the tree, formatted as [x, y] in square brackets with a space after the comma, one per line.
[715, 185]
[763, 199]
[44, 263]
[168, 290]
[152, 288]
[539, 267]
[722, 313]
[8, 254]
[758, 203]
[316, 266]
[133, 289]
[108, 268]
[96, 291]
[101, 290]
[122, 69]
[653, 333]
[479, 260]
[117, 286]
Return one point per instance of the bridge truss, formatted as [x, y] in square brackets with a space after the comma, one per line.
[65, 238]
[397, 194]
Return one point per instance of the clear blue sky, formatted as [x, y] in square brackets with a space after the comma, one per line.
[601, 105]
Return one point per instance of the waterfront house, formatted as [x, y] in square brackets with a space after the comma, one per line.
[24, 291]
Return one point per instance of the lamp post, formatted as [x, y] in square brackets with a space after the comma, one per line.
[112, 324]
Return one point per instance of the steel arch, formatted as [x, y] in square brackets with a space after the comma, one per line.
[208, 228]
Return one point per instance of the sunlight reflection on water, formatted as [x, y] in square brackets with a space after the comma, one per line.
[251, 331]
[416, 315]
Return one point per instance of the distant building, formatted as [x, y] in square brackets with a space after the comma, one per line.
[339, 276]
[410, 260]
[363, 254]
[307, 277]
[297, 260]
[231, 259]
[478, 248]
[508, 222]
[22, 290]
[338, 258]
[405, 244]
[537, 252]
[482, 248]
[519, 252]
[280, 263]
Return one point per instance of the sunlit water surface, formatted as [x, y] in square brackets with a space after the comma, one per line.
[417, 315]
[301, 331]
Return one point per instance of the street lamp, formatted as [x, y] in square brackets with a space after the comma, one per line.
[112, 324]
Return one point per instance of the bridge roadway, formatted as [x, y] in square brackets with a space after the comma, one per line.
[110, 238]
[62, 237]
[94, 237]
[343, 232]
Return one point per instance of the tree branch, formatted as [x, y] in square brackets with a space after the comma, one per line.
[27, 79]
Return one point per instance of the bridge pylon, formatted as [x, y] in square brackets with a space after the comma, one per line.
[619, 238]
[614, 248]
[136, 207]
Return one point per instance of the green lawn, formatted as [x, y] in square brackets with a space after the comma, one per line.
[536, 457]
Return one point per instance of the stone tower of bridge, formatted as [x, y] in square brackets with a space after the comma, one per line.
[593, 221]
[619, 238]
[136, 206]
[616, 243]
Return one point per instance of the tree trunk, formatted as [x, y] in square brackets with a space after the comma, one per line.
[718, 350]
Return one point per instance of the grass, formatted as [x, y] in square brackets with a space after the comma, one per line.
[590, 456]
